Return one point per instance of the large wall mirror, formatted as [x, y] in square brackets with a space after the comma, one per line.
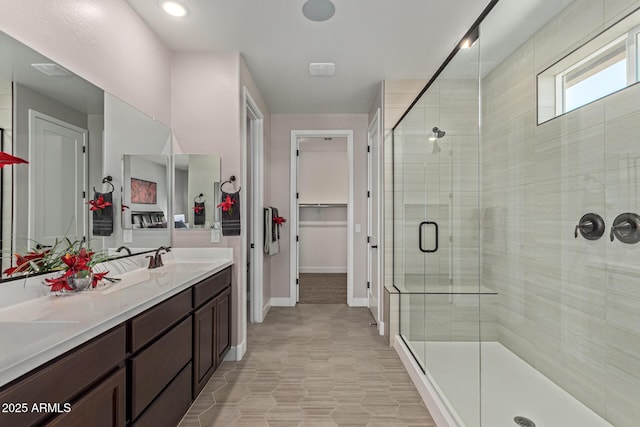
[197, 191]
[72, 135]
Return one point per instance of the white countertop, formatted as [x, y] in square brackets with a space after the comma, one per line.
[41, 327]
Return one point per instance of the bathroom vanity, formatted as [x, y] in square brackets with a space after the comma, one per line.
[134, 353]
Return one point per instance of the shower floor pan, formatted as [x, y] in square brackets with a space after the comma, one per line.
[510, 387]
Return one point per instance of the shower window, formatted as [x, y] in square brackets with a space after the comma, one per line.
[604, 65]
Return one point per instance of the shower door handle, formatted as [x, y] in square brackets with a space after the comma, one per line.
[420, 227]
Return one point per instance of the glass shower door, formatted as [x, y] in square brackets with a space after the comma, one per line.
[437, 235]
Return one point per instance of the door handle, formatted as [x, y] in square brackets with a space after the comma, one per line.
[420, 227]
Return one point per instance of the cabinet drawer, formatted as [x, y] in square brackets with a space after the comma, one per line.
[154, 367]
[104, 406]
[65, 379]
[150, 324]
[211, 286]
[168, 409]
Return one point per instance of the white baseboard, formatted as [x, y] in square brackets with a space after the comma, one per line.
[281, 302]
[265, 309]
[236, 352]
[436, 406]
[359, 302]
[322, 270]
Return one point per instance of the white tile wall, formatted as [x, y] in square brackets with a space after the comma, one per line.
[569, 307]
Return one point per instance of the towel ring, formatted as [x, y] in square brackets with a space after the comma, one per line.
[106, 180]
[199, 196]
[231, 180]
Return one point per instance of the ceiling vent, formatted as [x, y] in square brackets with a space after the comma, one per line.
[52, 70]
[322, 68]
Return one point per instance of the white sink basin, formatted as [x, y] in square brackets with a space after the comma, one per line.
[160, 277]
[183, 267]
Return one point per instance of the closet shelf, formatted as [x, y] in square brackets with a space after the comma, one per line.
[322, 205]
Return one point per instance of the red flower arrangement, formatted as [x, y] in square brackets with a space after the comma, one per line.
[98, 204]
[79, 265]
[198, 209]
[227, 205]
[72, 258]
[279, 220]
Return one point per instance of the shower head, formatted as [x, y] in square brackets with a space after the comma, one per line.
[437, 134]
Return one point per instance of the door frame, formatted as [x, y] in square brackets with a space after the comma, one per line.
[33, 116]
[293, 209]
[251, 111]
[375, 163]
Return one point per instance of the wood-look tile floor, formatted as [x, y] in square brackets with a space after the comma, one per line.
[311, 365]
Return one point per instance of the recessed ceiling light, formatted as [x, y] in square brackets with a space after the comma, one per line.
[322, 68]
[52, 70]
[318, 10]
[174, 8]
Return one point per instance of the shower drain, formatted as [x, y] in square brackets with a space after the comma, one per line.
[524, 422]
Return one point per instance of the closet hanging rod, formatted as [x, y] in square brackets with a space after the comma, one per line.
[322, 205]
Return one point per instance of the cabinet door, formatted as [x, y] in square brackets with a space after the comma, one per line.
[223, 331]
[204, 350]
[102, 406]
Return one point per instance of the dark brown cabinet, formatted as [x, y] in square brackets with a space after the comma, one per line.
[211, 328]
[223, 317]
[144, 372]
[103, 406]
[63, 380]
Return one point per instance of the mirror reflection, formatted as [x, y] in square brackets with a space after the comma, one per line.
[145, 191]
[137, 150]
[197, 191]
[52, 119]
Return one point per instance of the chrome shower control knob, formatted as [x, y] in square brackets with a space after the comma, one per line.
[626, 228]
[590, 226]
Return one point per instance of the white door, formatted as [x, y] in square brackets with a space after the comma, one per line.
[297, 230]
[373, 219]
[57, 176]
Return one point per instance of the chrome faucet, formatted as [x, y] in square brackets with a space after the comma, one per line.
[121, 248]
[155, 260]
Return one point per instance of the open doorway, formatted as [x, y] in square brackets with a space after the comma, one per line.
[323, 170]
[322, 217]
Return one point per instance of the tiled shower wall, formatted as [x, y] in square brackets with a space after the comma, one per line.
[569, 307]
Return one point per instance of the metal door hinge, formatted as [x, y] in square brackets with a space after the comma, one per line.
[297, 152]
[253, 246]
[297, 195]
[368, 148]
[297, 238]
[84, 194]
[84, 148]
[368, 285]
[368, 193]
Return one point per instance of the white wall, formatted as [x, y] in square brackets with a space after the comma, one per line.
[206, 111]
[323, 168]
[281, 127]
[102, 41]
